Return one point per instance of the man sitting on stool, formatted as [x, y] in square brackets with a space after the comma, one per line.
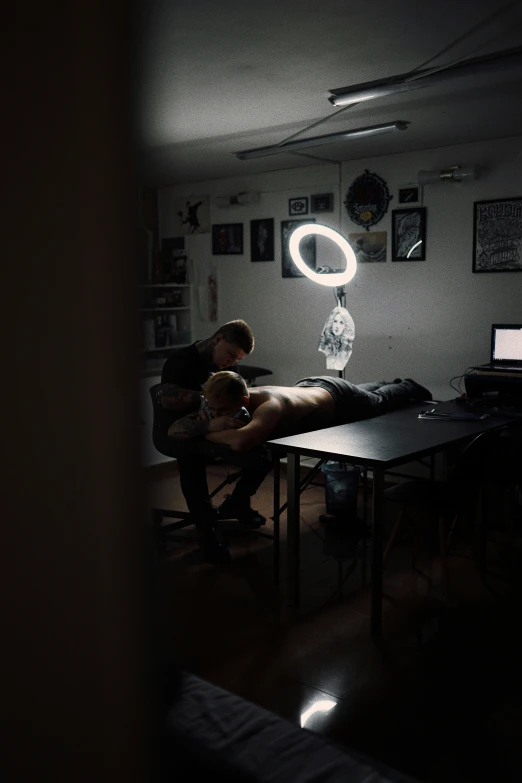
[183, 375]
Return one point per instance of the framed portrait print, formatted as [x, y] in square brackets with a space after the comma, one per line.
[409, 234]
[306, 247]
[298, 206]
[227, 239]
[497, 235]
[262, 240]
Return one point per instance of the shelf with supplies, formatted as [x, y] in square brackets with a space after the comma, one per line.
[164, 285]
[165, 310]
[166, 347]
[161, 309]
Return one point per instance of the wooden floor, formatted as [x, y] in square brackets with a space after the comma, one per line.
[439, 698]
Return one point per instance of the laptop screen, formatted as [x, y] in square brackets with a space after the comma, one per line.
[506, 343]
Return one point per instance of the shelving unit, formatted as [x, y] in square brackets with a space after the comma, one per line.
[164, 307]
[166, 317]
[161, 328]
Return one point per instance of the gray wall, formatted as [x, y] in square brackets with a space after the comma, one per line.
[427, 320]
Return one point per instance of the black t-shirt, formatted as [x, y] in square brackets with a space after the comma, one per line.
[186, 368]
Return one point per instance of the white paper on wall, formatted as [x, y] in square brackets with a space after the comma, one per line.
[212, 296]
[191, 216]
[337, 337]
[207, 292]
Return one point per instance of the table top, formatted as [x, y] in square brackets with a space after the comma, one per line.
[250, 373]
[390, 439]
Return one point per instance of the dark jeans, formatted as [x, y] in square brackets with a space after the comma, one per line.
[193, 456]
[364, 400]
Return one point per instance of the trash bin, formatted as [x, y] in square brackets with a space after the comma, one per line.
[341, 485]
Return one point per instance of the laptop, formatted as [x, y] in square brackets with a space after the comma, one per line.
[506, 349]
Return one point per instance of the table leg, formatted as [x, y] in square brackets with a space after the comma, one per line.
[377, 514]
[481, 533]
[277, 505]
[365, 522]
[293, 529]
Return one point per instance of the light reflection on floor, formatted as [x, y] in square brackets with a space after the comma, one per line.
[322, 705]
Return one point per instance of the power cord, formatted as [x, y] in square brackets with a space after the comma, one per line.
[459, 378]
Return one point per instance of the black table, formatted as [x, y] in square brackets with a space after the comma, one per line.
[380, 444]
[251, 373]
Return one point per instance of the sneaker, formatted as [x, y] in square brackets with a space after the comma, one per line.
[232, 508]
[419, 392]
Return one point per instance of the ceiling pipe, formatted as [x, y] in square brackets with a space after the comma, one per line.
[317, 141]
[405, 82]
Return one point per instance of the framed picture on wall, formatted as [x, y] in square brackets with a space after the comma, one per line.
[410, 195]
[322, 202]
[369, 246]
[497, 235]
[409, 234]
[262, 240]
[306, 247]
[227, 239]
[298, 206]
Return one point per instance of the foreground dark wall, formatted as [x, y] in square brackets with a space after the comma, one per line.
[76, 693]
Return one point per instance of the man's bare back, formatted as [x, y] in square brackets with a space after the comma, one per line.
[278, 411]
[291, 404]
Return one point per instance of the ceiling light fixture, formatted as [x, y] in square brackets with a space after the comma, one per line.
[316, 141]
[332, 279]
[452, 174]
[241, 199]
[405, 82]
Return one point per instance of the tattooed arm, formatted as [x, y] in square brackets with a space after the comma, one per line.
[174, 398]
[191, 426]
[197, 424]
[255, 433]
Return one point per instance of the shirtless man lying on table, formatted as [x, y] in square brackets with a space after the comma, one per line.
[310, 404]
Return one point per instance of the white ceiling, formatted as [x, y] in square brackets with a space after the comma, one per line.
[218, 76]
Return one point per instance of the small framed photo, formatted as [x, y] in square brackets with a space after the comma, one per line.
[306, 248]
[298, 206]
[322, 202]
[227, 239]
[262, 240]
[173, 261]
[409, 234]
[497, 235]
[410, 195]
[175, 269]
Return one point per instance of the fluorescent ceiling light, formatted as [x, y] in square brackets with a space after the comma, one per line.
[336, 279]
[404, 82]
[316, 141]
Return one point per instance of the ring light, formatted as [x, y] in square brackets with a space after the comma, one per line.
[335, 279]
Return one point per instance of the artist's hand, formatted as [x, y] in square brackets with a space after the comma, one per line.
[221, 423]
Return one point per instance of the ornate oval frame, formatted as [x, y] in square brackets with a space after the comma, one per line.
[367, 199]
